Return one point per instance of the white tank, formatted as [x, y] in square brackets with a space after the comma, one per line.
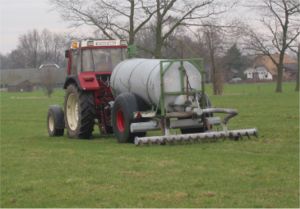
[142, 77]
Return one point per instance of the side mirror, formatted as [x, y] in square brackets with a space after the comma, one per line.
[67, 54]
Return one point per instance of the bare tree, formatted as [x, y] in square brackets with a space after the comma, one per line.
[125, 19]
[36, 48]
[172, 14]
[48, 78]
[297, 79]
[281, 21]
[29, 45]
[52, 47]
[213, 40]
[114, 19]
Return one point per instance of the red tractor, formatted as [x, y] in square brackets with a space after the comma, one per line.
[88, 97]
[134, 96]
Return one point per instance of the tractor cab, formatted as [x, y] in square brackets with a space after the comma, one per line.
[95, 55]
[90, 61]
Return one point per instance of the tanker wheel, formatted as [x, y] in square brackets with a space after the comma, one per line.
[79, 113]
[55, 121]
[122, 116]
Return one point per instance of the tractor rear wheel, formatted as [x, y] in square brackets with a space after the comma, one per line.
[122, 117]
[79, 113]
[55, 121]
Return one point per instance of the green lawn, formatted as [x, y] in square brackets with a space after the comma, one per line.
[38, 171]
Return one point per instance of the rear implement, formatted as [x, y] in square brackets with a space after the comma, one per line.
[165, 95]
[198, 137]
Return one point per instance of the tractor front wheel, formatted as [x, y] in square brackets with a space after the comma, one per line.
[55, 121]
[79, 113]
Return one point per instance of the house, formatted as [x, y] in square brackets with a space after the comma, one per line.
[266, 62]
[258, 73]
[290, 71]
[12, 77]
[24, 86]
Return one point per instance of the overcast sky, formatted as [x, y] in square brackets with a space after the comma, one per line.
[19, 16]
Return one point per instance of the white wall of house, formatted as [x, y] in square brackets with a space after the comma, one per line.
[260, 73]
[263, 73]
[249, 73]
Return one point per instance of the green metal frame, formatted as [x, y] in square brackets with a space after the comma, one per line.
[165, 66]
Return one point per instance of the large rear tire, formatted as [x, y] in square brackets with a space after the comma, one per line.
[55, 121]
[122, 117]
[79, 113]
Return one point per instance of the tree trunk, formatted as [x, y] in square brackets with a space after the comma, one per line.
[158, 32]
[131, 23]
[279, 80]
[214, 75]
[157, 52]
[280, 73]
[217, 80]
[297, 79]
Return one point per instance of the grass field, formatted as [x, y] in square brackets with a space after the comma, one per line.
[38, 171]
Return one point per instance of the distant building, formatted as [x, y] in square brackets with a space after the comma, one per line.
[13, 77]
[24, 86]
[290, 71]
[264, 61]
[258, 73]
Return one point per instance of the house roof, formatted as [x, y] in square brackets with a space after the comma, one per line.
[256, 70]
[266, 61]
[291, 67]
[22, 83]
[249, 70]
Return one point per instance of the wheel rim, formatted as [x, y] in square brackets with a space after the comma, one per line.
[51, 123]
[120, 121]
[72, 111]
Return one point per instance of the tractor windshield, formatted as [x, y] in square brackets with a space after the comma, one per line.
[102, 60]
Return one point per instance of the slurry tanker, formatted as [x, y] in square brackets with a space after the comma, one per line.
[130, 97]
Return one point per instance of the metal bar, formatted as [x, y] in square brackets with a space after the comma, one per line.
[162, 97]
[180, 93]
[181, 71]
[162, 90]
[186, 123]
[144, 126]
[195, 137]
[231, 113]
[199, 64]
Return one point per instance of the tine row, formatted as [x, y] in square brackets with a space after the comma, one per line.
[198, 137]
